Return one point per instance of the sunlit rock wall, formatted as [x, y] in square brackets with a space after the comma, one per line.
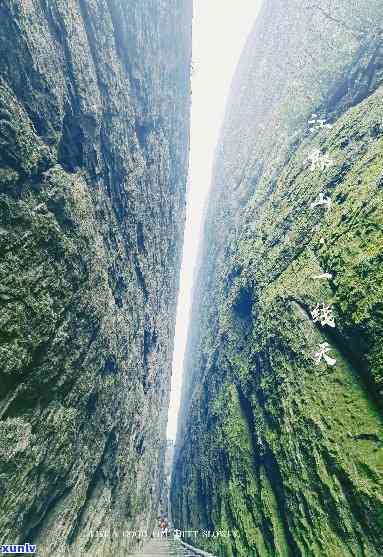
[284, 454]
[94, 135]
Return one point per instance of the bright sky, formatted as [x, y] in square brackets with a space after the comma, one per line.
[220, 29]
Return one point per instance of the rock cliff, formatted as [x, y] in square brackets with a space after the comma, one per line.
[278, 444]
[94, 134]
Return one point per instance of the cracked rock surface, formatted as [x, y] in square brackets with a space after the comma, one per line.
[94, 140]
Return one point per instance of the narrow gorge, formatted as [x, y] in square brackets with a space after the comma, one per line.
[279, 450]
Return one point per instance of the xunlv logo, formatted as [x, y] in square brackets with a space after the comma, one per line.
[21, 549]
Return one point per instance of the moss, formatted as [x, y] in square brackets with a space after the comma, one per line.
[294, 449]
[78, 288]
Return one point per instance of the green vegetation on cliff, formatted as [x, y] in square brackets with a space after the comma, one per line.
[285, 454]
[94, 115]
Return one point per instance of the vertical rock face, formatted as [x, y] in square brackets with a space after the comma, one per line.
[167, 471]
[285, 454]
[94, 119]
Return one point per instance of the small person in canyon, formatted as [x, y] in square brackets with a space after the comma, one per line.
[164, 526]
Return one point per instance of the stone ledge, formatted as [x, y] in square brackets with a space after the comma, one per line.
[197, 551]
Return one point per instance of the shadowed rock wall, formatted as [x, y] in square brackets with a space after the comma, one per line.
[94, 135]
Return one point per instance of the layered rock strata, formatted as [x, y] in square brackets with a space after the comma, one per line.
[94, 134]
[278, 445]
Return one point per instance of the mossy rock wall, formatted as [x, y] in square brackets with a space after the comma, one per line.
[94, 133]
[285, 454]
